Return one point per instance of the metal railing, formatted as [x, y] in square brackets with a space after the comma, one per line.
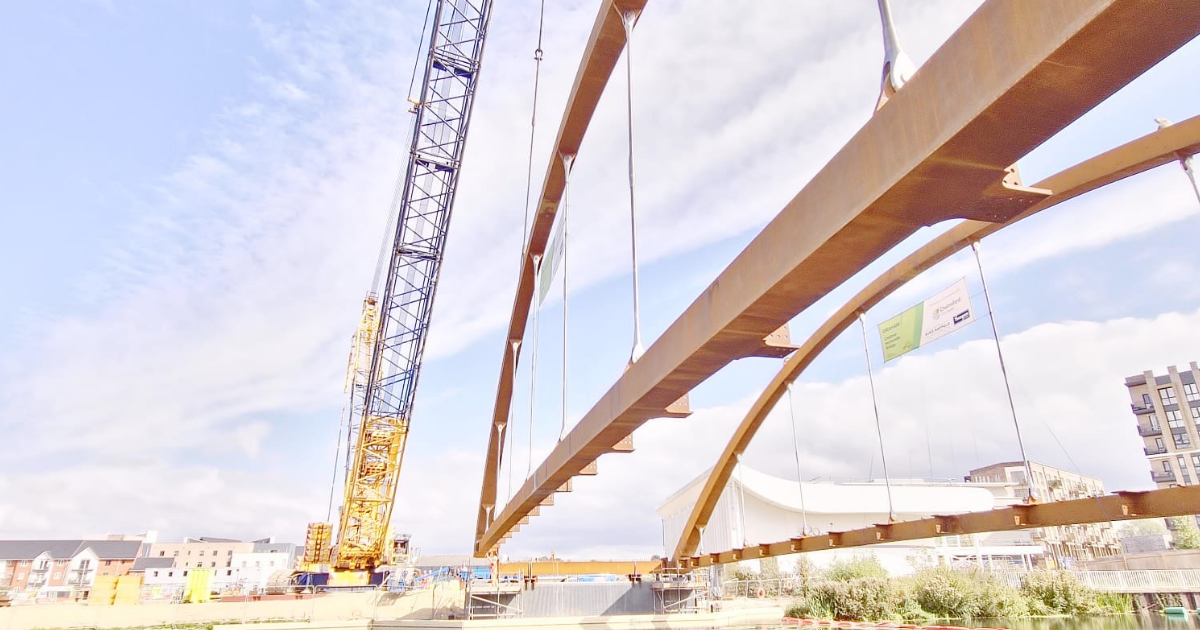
[1151, 581]
[1162, 476]
[1157, 450]
[1150, 430]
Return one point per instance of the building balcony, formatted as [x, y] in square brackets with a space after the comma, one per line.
[1148, 431]
[1162, 477]
[1140, 409]
[1155, 450]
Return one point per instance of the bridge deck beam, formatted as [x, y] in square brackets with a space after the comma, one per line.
[1165, 502]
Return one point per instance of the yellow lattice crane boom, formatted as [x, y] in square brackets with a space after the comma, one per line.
[386, 357]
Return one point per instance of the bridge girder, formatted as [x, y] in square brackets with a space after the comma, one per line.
[1122, 506]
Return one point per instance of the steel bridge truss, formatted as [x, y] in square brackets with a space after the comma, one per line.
[442, 118]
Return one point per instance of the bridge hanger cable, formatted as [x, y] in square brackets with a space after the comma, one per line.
[796, 451]
[862, 320]
[1004, 372]
[742, 501]
[1075, 466]
[537, 266]
[629, 19]
[508, 427]
[568, 162]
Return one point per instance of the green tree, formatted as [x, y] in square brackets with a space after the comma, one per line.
[1143, 527]
[1187, 535]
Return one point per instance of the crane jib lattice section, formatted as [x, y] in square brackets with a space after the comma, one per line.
[442, 117]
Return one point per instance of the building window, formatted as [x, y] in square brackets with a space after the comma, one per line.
[1166, 465]
[1146, 400]
[229, 553]
[1196, 461]
[156, 574]
[1175, 419]
[161, 554]
[170, 574]
[214, 564]
[85, 564]
[107, 563]
[201, 553]
[228, 572]
[1190, 392]
[1154, 425]
[1167, 395]
[1196, 414]
[214, 552]
[176, 554]
[1182, 441]
[1158, 444]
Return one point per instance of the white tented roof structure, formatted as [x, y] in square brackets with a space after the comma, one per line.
[757, 508]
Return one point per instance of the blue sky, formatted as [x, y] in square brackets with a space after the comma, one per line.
[195, 196]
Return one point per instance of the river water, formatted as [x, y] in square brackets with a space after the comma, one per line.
[1115, 622]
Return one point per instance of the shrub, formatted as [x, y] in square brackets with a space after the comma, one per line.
[1058, 593]
[866, 566]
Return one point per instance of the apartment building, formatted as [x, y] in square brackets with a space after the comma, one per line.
[62, 568]
[1067, 544]
[1167, 408]
[201, 553]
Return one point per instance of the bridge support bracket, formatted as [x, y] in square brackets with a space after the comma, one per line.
[775, 345]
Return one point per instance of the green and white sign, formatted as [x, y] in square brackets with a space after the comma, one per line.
[932, 319]
[550, 261]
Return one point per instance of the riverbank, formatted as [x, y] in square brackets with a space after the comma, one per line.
[860, 590]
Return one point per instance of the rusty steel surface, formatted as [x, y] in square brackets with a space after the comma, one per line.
[1013, 75]
[1152, 150]
[604, 47]
[1122, 506]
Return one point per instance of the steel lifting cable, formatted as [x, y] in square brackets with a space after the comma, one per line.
[337, 453]
[537, 73]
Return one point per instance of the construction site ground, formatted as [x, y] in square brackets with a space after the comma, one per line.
[439, 603]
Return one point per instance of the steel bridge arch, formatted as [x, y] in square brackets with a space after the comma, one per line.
[1152, 150]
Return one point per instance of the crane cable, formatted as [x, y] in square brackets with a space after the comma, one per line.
[397, 192]
[389, 228]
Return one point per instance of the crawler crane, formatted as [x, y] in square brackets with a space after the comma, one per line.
[385, 359]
